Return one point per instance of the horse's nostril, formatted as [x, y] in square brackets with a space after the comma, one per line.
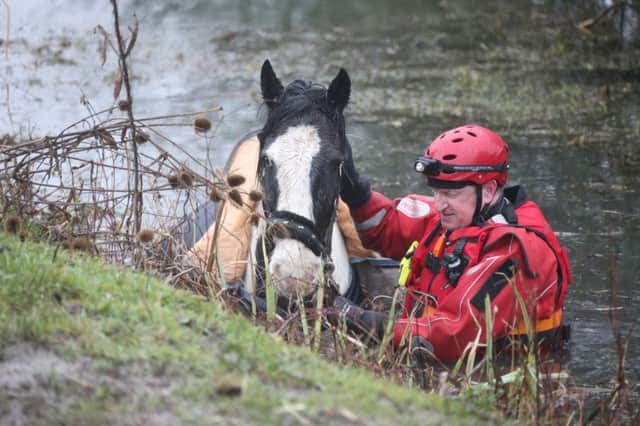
[329, 267]
[277, 269]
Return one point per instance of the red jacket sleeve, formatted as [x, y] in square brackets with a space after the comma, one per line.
[389, 227]
[460, 317]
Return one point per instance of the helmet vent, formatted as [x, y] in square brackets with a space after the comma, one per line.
[449, 157]
[456, 140]
[472, 134]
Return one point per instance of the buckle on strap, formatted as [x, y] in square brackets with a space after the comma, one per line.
[405, 264]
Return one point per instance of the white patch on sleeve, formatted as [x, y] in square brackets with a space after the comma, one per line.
[413, 208]
[498, 218]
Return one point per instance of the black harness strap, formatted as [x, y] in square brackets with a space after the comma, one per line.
[455, 262]
[432, 235]
[432, 262]
[300, 228]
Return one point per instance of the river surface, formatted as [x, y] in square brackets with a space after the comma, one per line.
[566, 100]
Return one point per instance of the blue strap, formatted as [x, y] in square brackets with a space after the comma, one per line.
[382, 262]
[354, 293]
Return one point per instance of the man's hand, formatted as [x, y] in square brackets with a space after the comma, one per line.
[354, 190]
[421, 351]
[360, 320]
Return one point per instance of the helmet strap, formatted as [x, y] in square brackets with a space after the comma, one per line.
[478, 218]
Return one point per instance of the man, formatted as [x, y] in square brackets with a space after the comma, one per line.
[474, 241]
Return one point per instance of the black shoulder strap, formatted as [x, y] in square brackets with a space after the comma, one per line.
[515, 195]
[432, 235]
[509, 213]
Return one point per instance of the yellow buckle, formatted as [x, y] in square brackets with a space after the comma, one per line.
[405, 264]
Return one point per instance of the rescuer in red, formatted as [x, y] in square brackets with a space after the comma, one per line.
[474, 242]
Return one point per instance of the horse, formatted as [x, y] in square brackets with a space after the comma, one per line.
[299, 172]
[296, 241]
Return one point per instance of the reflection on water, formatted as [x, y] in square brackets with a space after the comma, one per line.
[566, 101]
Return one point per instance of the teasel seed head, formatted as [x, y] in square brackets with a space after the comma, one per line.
[278, 230]
[82, 244]
[216, 195]
[235, 180]
[123, 105]
[234, 195]
[141, 138]
[186, 179]
[255, 218]
[202, 124]
[145, 236]
[12, 225]
[174, 181]
[255, 196]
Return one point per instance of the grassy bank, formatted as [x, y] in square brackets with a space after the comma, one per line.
[82, 342]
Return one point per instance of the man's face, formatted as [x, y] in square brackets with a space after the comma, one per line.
[456, 206]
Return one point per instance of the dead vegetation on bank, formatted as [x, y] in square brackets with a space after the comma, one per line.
[113, 185]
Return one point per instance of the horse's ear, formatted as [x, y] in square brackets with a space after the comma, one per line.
[340, 90]
[271, 86]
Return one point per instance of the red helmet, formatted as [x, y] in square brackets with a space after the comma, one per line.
[465, 155]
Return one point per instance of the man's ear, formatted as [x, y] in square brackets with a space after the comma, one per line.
[489, 191]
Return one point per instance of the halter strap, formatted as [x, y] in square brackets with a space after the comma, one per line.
[301, 229]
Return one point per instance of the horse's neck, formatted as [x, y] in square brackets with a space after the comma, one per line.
[339, 256]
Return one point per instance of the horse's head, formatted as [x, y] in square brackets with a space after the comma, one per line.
[301, 154]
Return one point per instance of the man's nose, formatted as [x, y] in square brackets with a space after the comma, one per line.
[439, 202]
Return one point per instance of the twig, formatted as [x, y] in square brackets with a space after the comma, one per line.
[123, 53]
[588, 23]
[6, 48]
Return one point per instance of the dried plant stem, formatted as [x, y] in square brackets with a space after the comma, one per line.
[319, 301]
[7, 33]
[303, 319]
[123, 53]
[183, 114]
[216, 234]
[269, 290]
[388, 330]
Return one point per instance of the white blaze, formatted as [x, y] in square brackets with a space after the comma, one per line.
[293, 267]
[292, 153]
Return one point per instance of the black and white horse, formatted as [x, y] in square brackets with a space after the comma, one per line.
[299, 172]
[301, 154]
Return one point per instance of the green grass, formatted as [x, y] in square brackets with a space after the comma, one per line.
[137, 350]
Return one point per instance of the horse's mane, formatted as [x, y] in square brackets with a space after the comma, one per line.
[301, 102]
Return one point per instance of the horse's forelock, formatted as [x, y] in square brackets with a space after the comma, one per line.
[297, 104]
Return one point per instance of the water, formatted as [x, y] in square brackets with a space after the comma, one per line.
[566, 101]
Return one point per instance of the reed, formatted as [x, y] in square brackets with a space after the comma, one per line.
[303, 319]
[269, 290]
[319, 311]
